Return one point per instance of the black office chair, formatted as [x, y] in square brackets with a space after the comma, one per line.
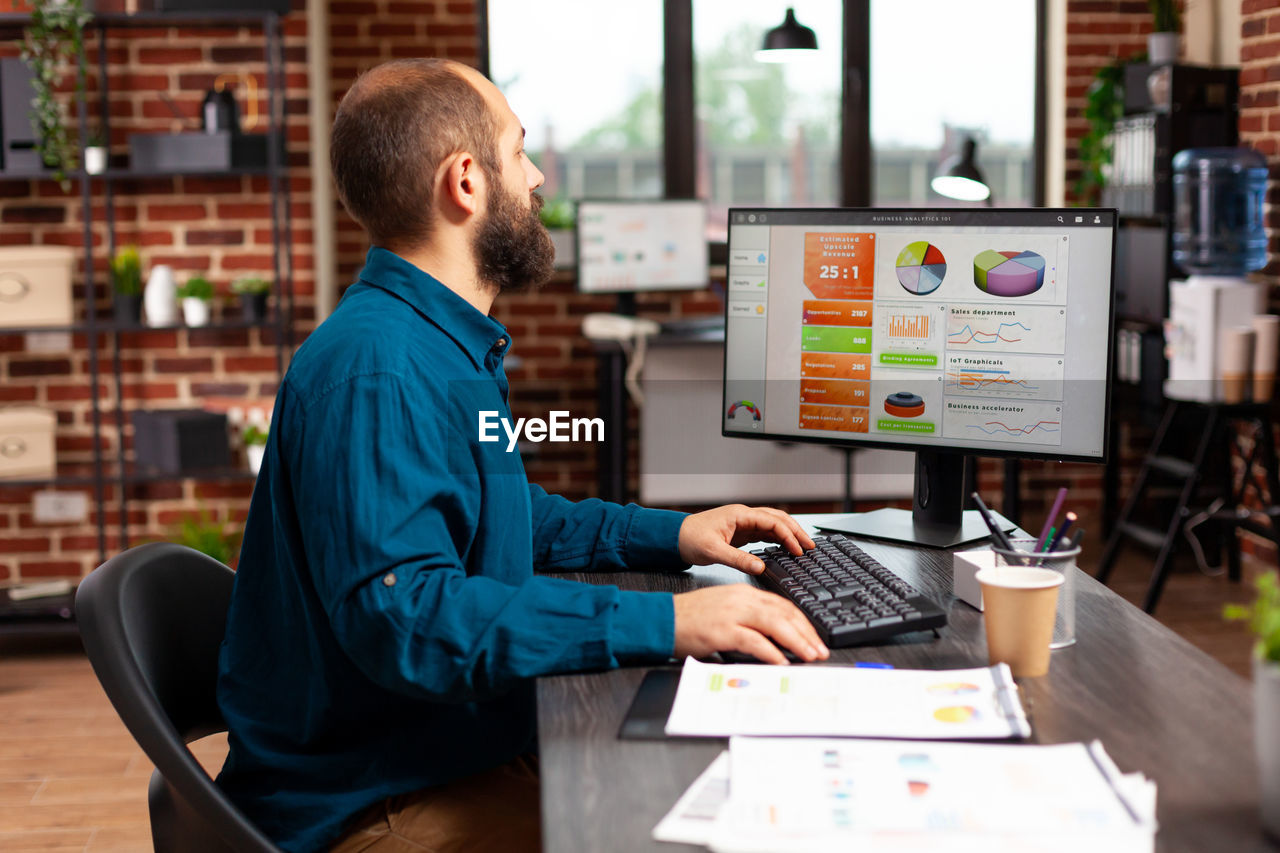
[151, 620]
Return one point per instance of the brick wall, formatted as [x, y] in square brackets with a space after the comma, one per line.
[220, 225]
[1260, 129]
[216, 225]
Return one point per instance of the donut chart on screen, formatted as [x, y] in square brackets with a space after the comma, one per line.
[921, 268]
[1008, 273]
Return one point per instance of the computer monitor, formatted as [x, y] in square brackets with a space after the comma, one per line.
[628, 247]
[946, 332]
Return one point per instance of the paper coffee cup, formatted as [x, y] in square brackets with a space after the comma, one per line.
[1266, 352]
[1235, 363]
[1018, 608]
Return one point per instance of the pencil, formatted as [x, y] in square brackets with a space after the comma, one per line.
[1052, 518]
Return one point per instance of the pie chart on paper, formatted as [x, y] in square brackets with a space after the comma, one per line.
[1008, 273]
[921, 268]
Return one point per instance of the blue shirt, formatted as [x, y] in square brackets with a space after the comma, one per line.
[386, 622]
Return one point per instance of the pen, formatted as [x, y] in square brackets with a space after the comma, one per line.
[1061, 537]
[866, 664]
[1048, 542]
[1052, 518]
[996, 533]
[1075, 539]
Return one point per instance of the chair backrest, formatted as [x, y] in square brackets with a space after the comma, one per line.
[152, 620]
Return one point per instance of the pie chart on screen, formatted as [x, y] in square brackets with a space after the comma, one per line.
[921, 268]
[1008, 273]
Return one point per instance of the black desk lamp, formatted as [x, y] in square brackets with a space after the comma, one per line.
[792, 40]
[960, 178]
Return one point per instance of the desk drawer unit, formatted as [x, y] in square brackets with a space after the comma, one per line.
[35, 286]
[26, 442]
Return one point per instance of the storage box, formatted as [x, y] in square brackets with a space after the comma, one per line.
[964, 574]
[197, 151]
[35, 286]
[1200, 308]
[26, 442]
[178, 441]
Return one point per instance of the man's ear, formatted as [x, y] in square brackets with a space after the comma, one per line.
[462, 184]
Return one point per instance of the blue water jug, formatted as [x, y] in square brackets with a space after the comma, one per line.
[1217, 202]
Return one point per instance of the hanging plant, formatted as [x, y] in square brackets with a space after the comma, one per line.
[53, 42]
[1104, 104]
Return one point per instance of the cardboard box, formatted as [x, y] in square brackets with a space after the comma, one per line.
[35, 286]
[26, 442]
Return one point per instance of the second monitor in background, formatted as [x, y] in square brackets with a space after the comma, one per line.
[630, 247]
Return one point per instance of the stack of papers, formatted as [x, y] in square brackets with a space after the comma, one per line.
[719, 700]
[790, 794]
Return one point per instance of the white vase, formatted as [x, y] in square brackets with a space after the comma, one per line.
[95, 160]
[159, 298]
[253, 453]
[195, 311]
[1162, 48]
[1266, 729]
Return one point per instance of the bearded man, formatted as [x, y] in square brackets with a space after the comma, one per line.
[386, 627]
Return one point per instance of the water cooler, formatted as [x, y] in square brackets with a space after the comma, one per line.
[1218, 238]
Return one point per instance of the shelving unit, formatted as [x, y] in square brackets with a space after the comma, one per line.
[114, 180]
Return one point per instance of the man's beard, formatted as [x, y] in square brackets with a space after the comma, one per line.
[512, 248]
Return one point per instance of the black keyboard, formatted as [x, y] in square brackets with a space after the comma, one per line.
[847, 595]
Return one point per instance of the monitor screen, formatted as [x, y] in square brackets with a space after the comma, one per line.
[634, 246]
[984, 331]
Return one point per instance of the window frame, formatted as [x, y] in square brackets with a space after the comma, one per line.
[679, 143]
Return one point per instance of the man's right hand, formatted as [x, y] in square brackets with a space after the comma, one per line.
[739, 617]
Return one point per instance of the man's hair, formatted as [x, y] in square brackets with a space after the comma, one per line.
[394, 127]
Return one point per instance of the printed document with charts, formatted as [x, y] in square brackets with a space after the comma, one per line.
[720, 700]
[800, 794]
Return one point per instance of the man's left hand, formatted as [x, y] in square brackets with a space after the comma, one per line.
[713, 536]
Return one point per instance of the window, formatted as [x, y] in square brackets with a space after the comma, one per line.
[586, 81]
[968, 73]
[767, 134]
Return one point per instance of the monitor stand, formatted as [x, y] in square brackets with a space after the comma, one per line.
[937, 518]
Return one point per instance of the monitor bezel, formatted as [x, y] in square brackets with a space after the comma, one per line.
[871, 443]
[620, 202]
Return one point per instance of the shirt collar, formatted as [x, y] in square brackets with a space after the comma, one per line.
[475, 333]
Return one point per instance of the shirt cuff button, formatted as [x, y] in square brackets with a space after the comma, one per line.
[389, 579]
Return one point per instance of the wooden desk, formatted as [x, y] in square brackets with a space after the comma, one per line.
[1157, 703]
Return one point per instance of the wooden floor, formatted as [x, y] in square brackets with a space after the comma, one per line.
[72, 779]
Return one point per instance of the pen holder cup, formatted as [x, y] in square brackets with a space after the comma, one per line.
[1063, 562]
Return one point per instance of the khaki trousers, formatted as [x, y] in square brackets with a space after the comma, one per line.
[497, 810]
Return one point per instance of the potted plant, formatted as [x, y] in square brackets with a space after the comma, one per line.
[1162, 43]
[196, 295]
[95, 154]
[255, 446]
[126, 285]
[1263, 617]
[204, 534]
[560, 218]
[253, 293]
[52, 42]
